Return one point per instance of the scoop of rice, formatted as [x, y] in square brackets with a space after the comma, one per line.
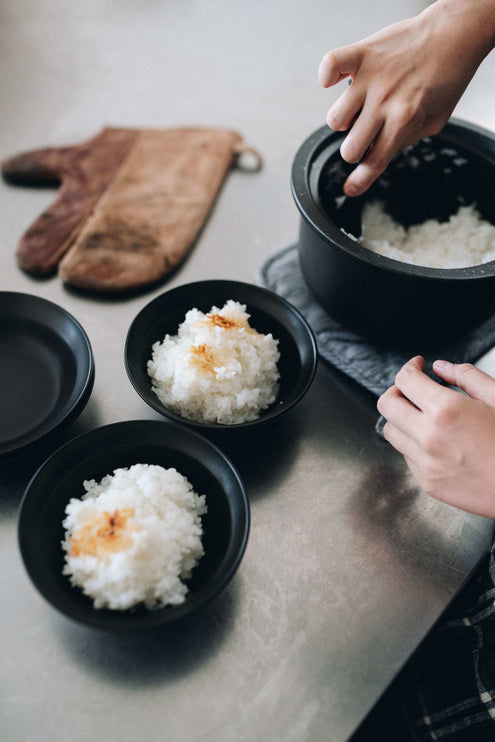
[464, 240]
[134, 537]
[217, 368]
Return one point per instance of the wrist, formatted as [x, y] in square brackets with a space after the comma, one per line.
[474, 20]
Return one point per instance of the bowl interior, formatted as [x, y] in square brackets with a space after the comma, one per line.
[100, 452]
[269, 313]
[46, 363]
[429, 180]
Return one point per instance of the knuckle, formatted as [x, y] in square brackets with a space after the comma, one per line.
[328, 69]
[447, 414]
[430, 443]
[334, 120]
[429, 477]
[404, 116]
[403, 374]
[464, 369]
[435, 484]
[409, 371]
[400, 117]
[349, 152]
[383, 401]
[444, 414]
[378, 161]
[329, 59]
[434, 126]
[430, 486]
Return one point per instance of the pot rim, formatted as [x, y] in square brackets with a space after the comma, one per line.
[456, 132]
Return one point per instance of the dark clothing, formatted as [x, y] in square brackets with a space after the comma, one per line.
[447, 690]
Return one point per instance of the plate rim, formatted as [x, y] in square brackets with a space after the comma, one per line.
[20, 445]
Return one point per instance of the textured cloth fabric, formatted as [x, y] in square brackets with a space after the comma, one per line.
[372, 367]
[130, 203]
[447, 690]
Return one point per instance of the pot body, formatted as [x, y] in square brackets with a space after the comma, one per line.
[387, 308]
[384, 300]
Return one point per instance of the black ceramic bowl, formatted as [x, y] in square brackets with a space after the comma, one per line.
[46, 371]
[100, 452]
[268, 313]
[388, 301]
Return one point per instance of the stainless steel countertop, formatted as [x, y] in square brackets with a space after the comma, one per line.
[348, 564]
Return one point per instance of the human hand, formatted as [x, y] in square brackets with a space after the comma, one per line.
[447, 438]
[406, 81]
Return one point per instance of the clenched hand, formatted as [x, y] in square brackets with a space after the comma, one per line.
[447, 438]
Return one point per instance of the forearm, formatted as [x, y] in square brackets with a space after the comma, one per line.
[474, 20]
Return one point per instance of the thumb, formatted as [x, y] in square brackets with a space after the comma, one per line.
[337, 65]
[476, 383]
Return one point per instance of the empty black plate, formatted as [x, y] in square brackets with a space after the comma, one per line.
[46, 370]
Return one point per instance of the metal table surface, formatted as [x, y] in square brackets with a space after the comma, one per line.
[348, 564]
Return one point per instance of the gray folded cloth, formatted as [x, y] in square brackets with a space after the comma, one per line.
[372, 367]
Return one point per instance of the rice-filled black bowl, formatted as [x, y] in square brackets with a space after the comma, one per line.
[268, 314]
[99, 453]
[382, 299]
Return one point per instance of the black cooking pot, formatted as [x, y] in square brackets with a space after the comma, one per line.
[388, 301]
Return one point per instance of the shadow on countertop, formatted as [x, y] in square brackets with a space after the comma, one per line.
[154, 656]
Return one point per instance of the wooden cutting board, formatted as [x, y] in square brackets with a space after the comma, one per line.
[130, 203]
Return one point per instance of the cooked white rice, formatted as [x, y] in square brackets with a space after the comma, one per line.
[217, 369]
[134, 537]
[465, 240]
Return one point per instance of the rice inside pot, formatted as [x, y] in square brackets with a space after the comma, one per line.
[134, 537]
[217, 369]
[466, 239]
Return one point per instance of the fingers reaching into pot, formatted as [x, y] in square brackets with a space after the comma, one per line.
[447, 438]
[406, 81]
